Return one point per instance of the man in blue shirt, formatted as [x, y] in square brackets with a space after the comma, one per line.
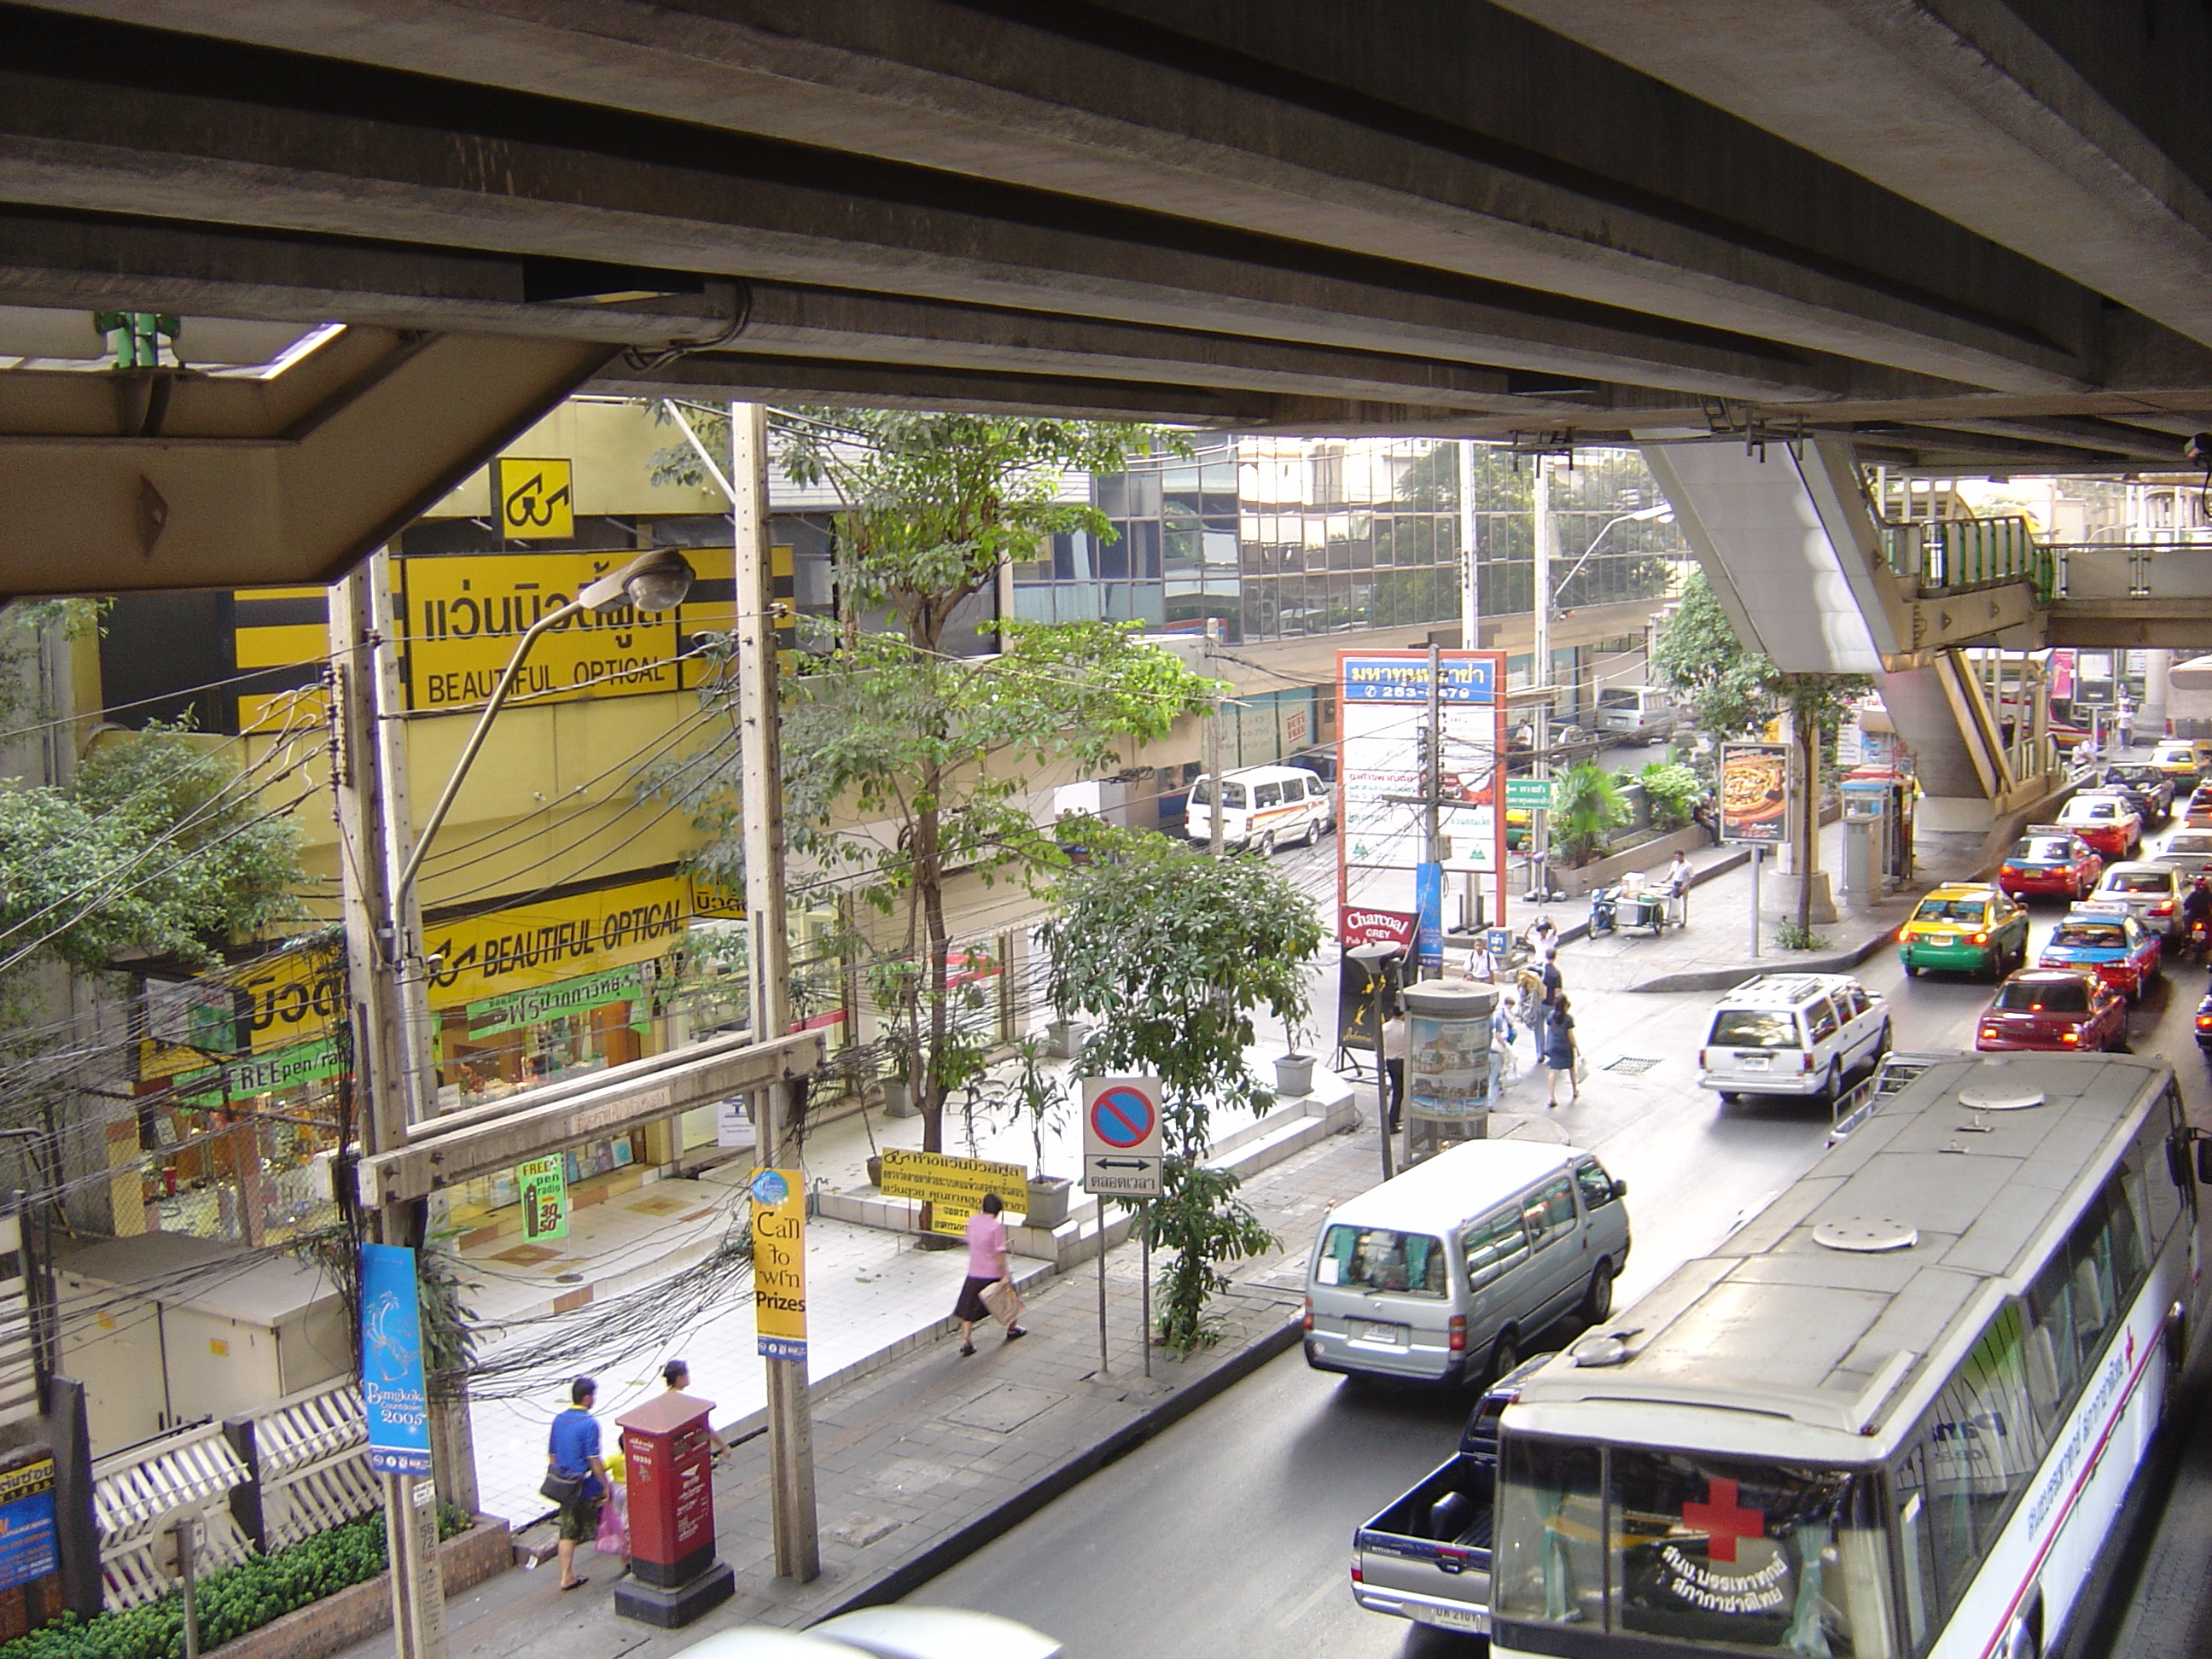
[573, 1450]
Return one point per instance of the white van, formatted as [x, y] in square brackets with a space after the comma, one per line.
[1263, 807]
[1642, 713]
[1449, 1273]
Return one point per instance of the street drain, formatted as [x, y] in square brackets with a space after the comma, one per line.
[1631, 1065]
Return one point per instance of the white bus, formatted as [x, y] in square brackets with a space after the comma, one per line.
[1893, 1416]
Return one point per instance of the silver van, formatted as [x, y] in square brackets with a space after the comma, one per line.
[1449, 1274]
[1642, 713]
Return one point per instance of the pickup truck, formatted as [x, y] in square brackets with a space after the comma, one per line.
[1427, 1556]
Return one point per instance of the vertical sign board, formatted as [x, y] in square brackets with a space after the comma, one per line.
[28, 1549]
[779, 1263]
[1121, 1147]
[1382, 704]
[393, 1396]
[543, 1186]
[1754, 793]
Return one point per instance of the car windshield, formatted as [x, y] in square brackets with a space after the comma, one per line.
[1755, 1028]
[2049, 996]
[1716, 1552]
[2139, 881]
[1377, 1259]
[1951, 909]
[2047, 849]
[2199, 844]
[2091, 935]
[2150, 774]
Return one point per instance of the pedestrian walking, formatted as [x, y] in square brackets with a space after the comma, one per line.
[1559, 1051]
[576, 1478]
[1678, 887]
[986, 1270]
[1397, 1041]
[676, 1375]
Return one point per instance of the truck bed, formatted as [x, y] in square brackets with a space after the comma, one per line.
[1427, 1556]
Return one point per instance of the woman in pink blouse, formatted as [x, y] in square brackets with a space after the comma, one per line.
[987, 1266]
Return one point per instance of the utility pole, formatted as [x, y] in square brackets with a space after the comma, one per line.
[1547, 549]
[790, 1427]
[1214, 742]
[1432, 782]
[1470, 592]
[368, 860]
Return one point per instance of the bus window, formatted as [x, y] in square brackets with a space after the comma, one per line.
[1718, 1550]
[1549, 1568]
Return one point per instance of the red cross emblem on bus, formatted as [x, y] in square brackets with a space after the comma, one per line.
[1722, 1521]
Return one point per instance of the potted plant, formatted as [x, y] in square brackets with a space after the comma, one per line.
[1037, 1098]
[1294, 1070]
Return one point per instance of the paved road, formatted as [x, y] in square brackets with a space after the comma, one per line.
[1230, 1534]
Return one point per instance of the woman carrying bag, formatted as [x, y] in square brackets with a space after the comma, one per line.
[1559, 1051]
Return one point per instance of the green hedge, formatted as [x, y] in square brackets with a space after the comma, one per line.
[230, 1602]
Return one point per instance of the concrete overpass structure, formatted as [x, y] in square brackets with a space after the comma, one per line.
[1945, 237]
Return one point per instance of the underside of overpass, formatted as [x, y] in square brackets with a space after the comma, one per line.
[1946, 238]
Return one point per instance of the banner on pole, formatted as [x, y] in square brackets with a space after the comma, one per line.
[779, 1263]
[393, 1395]
[1754, 793]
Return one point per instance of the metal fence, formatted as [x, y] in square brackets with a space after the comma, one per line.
[296, 1466]
[1946, 555]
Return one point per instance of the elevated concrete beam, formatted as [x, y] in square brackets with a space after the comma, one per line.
[1158, 123]
[289, 490]
[1963, 109]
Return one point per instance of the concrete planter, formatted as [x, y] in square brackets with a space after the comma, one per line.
[1063, 1039]
[1047, 1201]
[898, 1099]
[1294, 1074]
[347, 1617]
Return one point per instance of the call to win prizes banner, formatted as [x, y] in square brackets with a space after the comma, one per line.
[779, 1263]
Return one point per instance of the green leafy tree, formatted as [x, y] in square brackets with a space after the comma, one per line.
[160, 846]
[1587, 808]
[1672, 791]
[905, 765]
[1735, 691]
[1171, 952]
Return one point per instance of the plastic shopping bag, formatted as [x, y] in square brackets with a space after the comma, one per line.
[614, 1524]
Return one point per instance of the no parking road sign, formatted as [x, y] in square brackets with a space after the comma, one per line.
[1122, 1137]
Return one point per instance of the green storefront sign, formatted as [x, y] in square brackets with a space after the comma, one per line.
[1534, 793]
[287, 1068]
[512, 1010]
[543, 1185]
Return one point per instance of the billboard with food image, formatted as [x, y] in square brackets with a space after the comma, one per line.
[1754, 791]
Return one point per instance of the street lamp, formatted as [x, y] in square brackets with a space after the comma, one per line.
[655, 581]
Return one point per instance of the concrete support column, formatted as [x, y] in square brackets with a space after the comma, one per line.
[2150, 717]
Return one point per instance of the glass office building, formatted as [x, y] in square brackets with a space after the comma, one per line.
[1287, 538]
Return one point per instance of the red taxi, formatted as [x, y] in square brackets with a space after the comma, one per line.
[2050, 861]
[2108, 822]
[2054, 1010]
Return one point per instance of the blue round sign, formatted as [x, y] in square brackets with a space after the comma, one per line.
[770, 1187]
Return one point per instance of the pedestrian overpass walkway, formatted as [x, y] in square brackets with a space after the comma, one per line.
[1815, 582]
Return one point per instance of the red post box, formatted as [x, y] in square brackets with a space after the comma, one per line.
[668, 1458]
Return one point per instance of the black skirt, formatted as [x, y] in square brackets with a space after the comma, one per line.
[971, 1305]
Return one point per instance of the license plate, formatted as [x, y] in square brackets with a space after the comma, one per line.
[1752, 1063]
[1395, 1335]
[1453, 1618]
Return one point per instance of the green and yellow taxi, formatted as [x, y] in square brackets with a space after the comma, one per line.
[1964, 927]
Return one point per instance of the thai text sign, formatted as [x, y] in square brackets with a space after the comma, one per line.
[26, 1523]
[543, 1186]
[511, 1010]
[393, 1393]
[1754, 793]
[1383, 706]
[953, 1187]
[779, 1263]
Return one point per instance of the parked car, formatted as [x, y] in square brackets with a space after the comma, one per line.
[2149, 890]
[2107, 823]
[1443, 1274]
[2105, 940]
[2054, 1011]
[2197, 814]
[1426, 1556]
[2189, 851]
[1964, 927]
[2155, 786]
[2050, 860]
[1791, 1034]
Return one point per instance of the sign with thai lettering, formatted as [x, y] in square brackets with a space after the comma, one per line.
[953, 1187]
[542, 1184]
[1531, 794]
[779, 1263]
[394, 1396]
[1382, 711]
[512, 1010]
[26, 1523]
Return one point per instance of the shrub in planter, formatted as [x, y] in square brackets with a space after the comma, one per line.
[231, 1602]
